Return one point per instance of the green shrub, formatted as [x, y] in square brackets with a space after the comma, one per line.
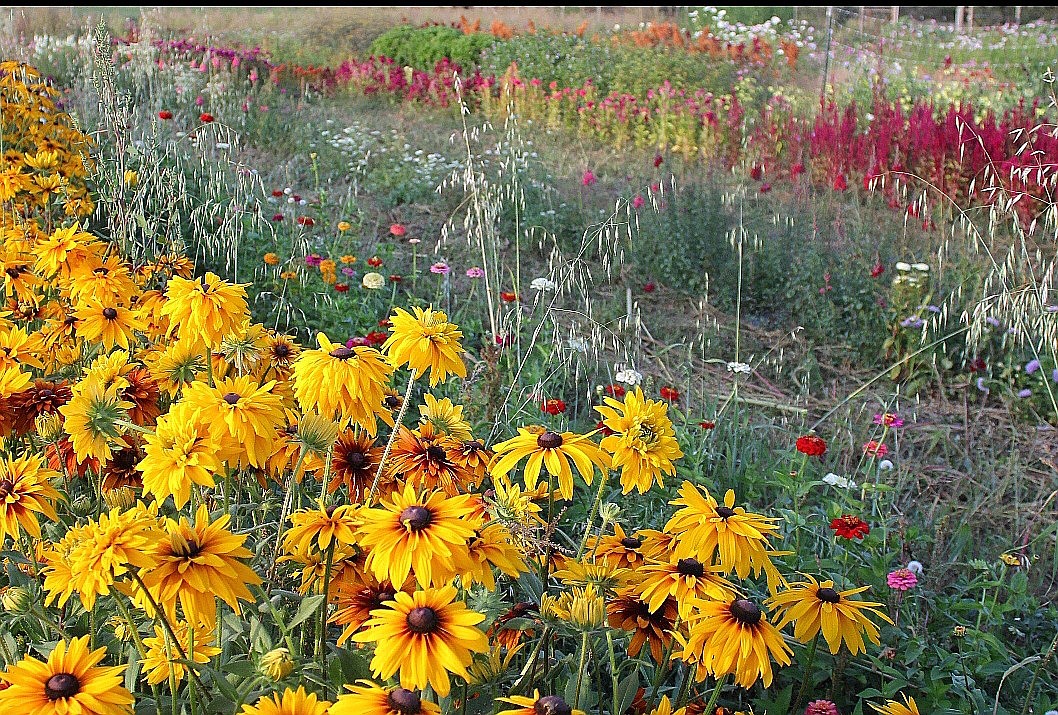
[423, 47]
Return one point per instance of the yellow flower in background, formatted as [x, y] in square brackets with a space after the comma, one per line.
[424, 636]
[445, 417]
[163, 657]
[554, 451]
[271, 259]
[199, 563]
[344, 226]
[366, 698]
[893, 707]
[343, 383]
[816, 607]
[643, 443]
[205, 310]
[91, 418]
[131, 178]
[425, 341]
[348, 259]
[179, 453]
[25, 491]
[538, 705]
[492, 546]
[583, 607]
[242, 417]
[289, 702]
[321, 528]
[289, 275]
[733, 637]
[737, 538]
[71, 682]
[177, 366]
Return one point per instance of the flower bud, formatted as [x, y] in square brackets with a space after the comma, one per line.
[15, 600]
[49, 426]
[276, 664]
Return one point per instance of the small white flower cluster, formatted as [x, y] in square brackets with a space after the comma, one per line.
[739, 367]
[838, 481]
[629, 376]
[369, 151]
[544, 285]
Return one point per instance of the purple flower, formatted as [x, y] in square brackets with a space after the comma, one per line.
[1025, 393]
[889, 419]
[992, 321]
[902, 580]
[475, 272]
[313, 259]
[981, 385]
[912, 322]
[1054, 376]
[1032, 366]
[347, 271]
[441, 268]
[357, 342]
[638, 201]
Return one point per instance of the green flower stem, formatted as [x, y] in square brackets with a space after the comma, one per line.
[580, 668]
[808, 672]
[716, 695]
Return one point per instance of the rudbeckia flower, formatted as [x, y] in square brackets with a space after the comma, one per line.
[816, 607]
[643, 442]
[554, 451]
[426, 341]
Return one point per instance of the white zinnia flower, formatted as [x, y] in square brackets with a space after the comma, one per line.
[836, 480]
[739, 367]
[543, 284]
[629, 377]
[373, 281]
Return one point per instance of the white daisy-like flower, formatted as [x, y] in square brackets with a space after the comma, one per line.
[629, 377]
[543, 284]
[920, 267]
[738, 367]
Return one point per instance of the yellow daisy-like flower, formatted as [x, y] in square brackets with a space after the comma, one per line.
[683, 579]
[112, 325]
[425, 341]
[290, 702]
[737, 538]
[426, 534]
[177, 366]
[893, 707]
[425, 636]
[346, 383]
[242, 416]
[493, 546]
[25, 491]
[71, 682]
[554, 451]
[370, 699]
[733, 637]
[815, 607]
[91, 418]
[445, 417]
[204, 310]
[197, 565]
[643, 443]
[320, 528]
[538, 705]
[179, 453]
[163, 657]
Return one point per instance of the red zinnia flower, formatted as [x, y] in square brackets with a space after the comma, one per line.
[877, 269]
[341, 287]
[850, 527]
[658, 160]
[707, 424]
[649, 287]
[756, 172]
[811, 445]
[397, 230]
[796, 169]
[614, 391]
[554, 406]
[764, 188]
[165, 114]
[305, 221]
[508, 297]
[670, 393]
[377, 337]
[277, 217]
[206, 117]
[374, 261]
[394, 278]
[384, 323]
[277, 192]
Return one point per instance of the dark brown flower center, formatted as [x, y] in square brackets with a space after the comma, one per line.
[745, 612]
[342, 353]
[356, 460]
[392, 402]
[552, 705]
[406, 702]
[45, 394]
[416, 518]
[549, 440]
[631, 542]
[690, 567]
[474, 445]
[62, 685]
[110, 313]
[231, 398]
[6, 487]
[188, 551]
[828, 595]
[281, 350]
[423, 619]
[725, 512]
[435, 453]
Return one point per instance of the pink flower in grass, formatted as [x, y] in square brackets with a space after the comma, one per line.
[588, 178]
[875, 449]
[902, 580]
[821, 707]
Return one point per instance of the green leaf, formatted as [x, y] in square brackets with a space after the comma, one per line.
[309, 606]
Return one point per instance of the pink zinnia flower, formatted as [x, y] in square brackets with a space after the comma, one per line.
[638, 202]
[889, 419]
[475, 272]
[821, 707]
[588, 179]
[441, 268]
[313, 259]
[902, 580]
[875, 449]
